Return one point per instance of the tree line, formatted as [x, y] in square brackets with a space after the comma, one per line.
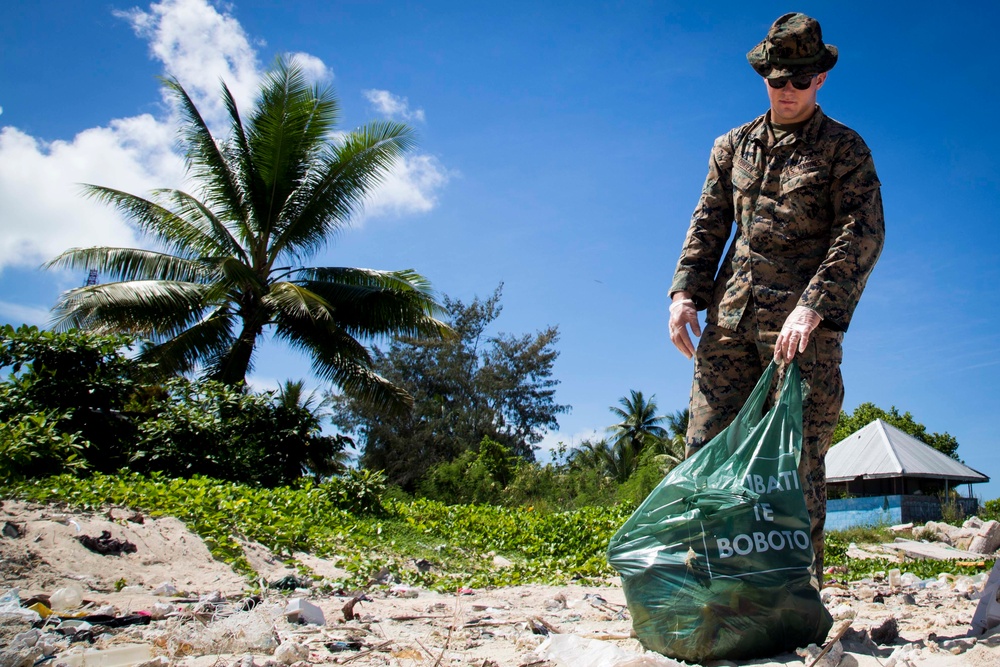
[146, 369]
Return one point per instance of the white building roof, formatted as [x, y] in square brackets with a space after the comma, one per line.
[881, 450]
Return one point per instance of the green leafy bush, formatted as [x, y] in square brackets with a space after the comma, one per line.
[33, 445]
[216, 430]
[990, 510]
[79, 379]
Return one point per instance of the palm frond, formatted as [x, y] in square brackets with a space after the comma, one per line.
[126, 264]
[298, 302]
[207, 339]
[286, 134]
[203, 231]
[325, 202]
[340, 358]
[373, 303]
[206, 161]
[142, 307]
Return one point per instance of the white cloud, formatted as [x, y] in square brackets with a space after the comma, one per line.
[200, 48]
[393, 106]
[15, 312]
[44, 212]
[314, 68]
[411, 187]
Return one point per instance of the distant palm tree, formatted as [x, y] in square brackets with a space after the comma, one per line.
[333, 458]
[269, 197]
[639, 425]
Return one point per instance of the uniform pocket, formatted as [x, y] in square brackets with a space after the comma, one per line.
[814, 176]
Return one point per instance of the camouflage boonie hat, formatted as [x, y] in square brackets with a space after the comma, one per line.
[794, 45]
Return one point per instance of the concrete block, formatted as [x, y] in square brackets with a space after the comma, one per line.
[987, 538]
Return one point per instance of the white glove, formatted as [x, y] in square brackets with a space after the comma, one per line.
[794, 336]
[683, 314]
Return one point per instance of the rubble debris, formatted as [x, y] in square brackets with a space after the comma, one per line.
[107, 545]
[290, 652]
[987, 614]
[986, 539]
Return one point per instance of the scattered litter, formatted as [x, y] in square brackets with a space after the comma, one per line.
[575, 651]
[404, 591]
[338, 647]
[885, 634]
[67, 598]
[10, 605]
[290, 583]
[987, 614]
[73, 626]
[300, 610]
[166, 589]
[901, 657]
[348, 608]
[12, 530]
[107, 545]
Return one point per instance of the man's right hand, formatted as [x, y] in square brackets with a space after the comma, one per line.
[683, 314]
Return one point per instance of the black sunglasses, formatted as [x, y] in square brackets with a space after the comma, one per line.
[800, 82]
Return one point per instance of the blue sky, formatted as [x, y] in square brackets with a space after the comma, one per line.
[562, 149]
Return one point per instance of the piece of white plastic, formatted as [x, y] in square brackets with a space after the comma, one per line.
[10, 605]
[299, 609]
[67, 598]
[575, 651]
[166, 589]
[119, 656]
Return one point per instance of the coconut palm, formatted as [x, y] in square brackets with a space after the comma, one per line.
[639, 425]
[229, 266]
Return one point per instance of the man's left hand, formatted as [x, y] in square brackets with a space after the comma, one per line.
[794, 336]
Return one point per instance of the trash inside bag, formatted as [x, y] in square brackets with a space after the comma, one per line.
[715, 563]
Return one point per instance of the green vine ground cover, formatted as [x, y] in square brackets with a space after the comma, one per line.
[459, 541]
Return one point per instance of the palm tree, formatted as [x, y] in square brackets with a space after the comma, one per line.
[330, 456]
[270, 196]
[639, 425]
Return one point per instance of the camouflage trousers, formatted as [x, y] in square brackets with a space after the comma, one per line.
[728, 365]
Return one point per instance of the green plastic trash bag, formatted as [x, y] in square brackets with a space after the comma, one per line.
[715, 563]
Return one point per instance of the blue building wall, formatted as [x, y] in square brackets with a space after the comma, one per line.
[846, 513]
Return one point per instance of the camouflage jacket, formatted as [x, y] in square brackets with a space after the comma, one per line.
[808, 219]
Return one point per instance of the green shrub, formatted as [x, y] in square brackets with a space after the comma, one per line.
[80, 380]
[33, 445]
[990, 510]
[216, 430]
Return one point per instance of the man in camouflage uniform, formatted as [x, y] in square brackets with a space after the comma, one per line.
[802, 191]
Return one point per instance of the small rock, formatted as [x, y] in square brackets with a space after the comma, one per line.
[289, 653]
[500, 561]
[907, 598]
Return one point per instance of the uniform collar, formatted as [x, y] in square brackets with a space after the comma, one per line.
[808, 134]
